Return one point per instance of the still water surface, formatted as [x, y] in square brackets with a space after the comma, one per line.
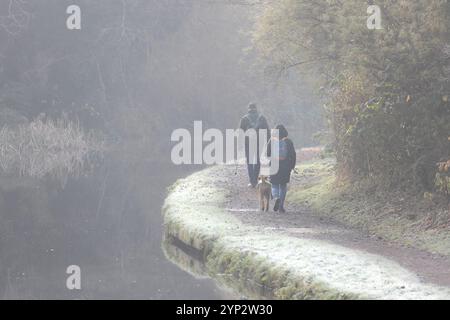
[108, 222]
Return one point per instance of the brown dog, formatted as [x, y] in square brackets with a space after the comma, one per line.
[264, 193]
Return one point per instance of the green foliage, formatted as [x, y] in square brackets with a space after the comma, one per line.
[387, 89]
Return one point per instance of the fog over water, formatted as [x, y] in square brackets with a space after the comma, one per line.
[86, 118]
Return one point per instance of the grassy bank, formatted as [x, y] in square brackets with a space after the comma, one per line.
[258, 262]
[392, 215]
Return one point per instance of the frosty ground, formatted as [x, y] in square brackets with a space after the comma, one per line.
[298, 255]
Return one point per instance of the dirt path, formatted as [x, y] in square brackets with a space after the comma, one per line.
[299, 222]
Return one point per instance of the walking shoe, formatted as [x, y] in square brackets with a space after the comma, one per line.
[277, 205]
[282, 210]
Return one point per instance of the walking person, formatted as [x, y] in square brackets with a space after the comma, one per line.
[253, 120]
[287, 158]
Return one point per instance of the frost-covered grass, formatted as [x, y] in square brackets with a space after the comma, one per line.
[388, 216]
[287, 267]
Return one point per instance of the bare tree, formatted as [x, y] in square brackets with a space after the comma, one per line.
[17, 18]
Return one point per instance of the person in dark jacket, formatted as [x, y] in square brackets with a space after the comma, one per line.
[253, 120]
[287, 160]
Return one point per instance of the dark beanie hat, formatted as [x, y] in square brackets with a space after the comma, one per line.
[282, 130]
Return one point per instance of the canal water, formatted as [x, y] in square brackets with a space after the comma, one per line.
[107, 221]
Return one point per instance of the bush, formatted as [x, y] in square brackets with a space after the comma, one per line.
[387, 90]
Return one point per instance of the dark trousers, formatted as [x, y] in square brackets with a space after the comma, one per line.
[253, 173]
[253, 162]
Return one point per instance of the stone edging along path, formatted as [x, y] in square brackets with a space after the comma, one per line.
[285, 266]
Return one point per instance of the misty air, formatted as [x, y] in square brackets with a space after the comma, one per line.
[224, 150]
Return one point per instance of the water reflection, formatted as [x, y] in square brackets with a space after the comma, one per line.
[108, 223]
[191, 260]
[48, 148]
